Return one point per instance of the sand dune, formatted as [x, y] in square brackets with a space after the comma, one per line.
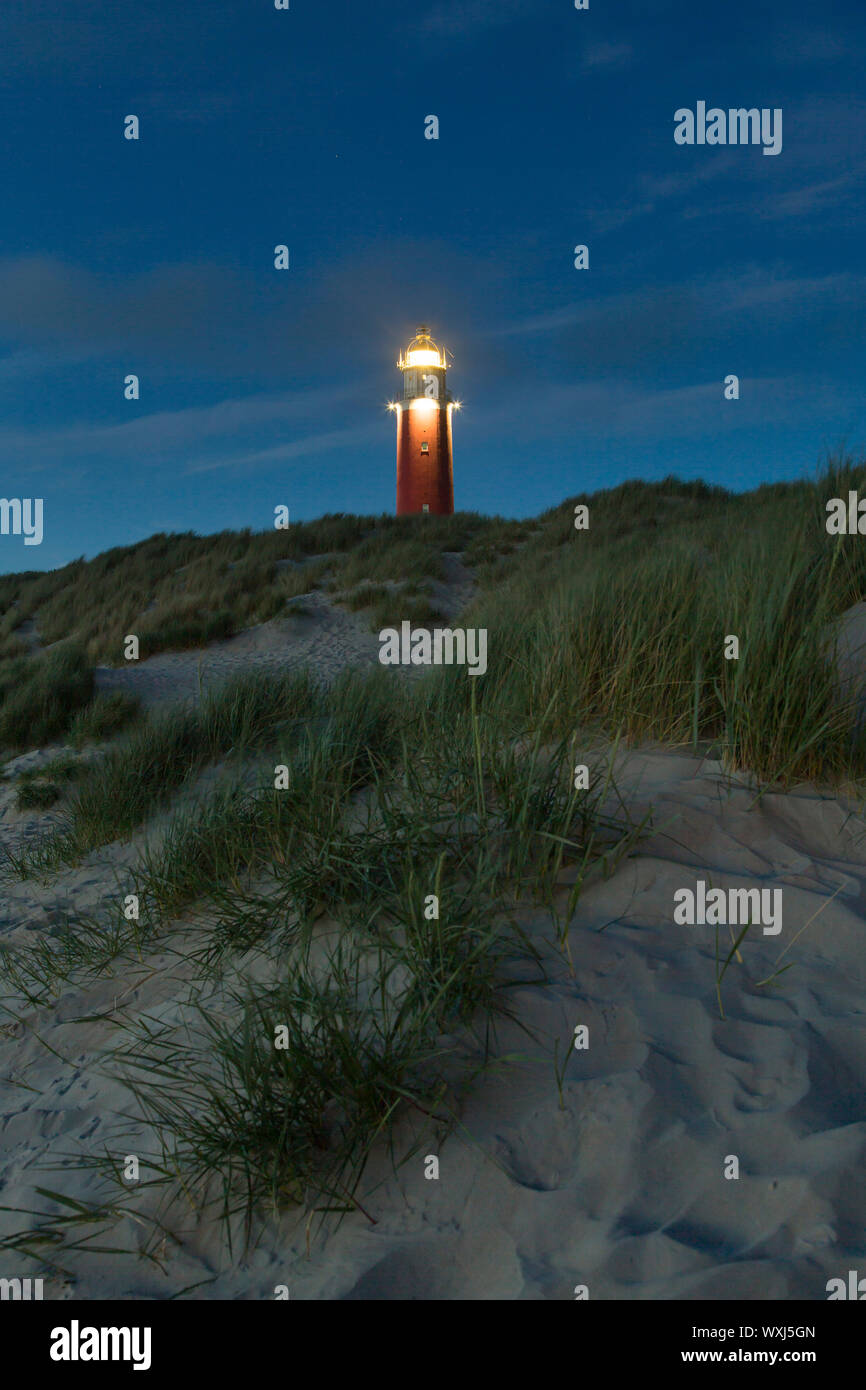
[621, 1187]
[618, 1183]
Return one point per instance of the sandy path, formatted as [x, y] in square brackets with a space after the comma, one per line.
[326, 638]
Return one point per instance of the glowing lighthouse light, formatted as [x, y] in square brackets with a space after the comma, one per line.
[425, 474]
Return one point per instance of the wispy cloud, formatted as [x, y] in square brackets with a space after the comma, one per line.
[652, 191]
[306, 447]
[663, 328]
[199, 439]
[823, 169]
[224, 321]
[589, 410]
[721, 295]
[820, 196]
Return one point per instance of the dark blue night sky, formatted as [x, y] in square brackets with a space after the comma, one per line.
[306, 127]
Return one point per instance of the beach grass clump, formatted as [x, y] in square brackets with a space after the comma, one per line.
[84, 947]
[40, 695]
[389, 604]
[385, 557]
[183, 627]
[163, 753]
[499, 538]
[332, 753]
[293, 581]
[42, 786]
[363, 596]
[255, 1126]
[334, 532]
[104, 716]
[12, 647]
[64, 768]
[37, 795]
[400, 606]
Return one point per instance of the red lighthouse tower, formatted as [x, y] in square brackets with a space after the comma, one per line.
[425, 473]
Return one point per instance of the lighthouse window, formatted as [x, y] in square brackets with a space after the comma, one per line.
[425, 447]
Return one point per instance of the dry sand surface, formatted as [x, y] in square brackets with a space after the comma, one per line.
[322, 636]
[619, 1185]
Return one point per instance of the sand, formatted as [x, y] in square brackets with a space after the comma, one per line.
[322, 636]
[618, 1187]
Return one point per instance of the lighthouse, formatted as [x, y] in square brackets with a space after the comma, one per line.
[425, 473]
